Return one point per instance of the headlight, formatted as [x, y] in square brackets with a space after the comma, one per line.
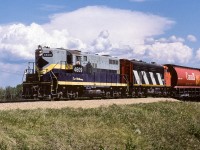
[40, 52]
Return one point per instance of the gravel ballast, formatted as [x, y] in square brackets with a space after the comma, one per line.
[78, 103]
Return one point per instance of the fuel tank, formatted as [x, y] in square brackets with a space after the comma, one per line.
[184, 76]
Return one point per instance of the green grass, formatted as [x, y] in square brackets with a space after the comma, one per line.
[163, 125]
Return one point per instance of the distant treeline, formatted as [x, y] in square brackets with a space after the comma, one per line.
[10, 93]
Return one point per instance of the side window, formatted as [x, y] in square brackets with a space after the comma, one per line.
[84, 58]
[78, 60]
[69, 58]
[114, 62]
[94, 65]
[110, 61]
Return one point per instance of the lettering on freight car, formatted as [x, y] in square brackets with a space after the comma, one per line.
[190, 76]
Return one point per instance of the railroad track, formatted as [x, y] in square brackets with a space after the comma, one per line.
[38, 100]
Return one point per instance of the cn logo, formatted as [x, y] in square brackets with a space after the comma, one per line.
[190, 76]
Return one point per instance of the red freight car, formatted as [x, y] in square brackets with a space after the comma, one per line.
[184, 76]
[185, 81]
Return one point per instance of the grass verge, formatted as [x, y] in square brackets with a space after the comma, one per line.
[162, 125]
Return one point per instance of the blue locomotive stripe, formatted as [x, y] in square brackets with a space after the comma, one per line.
[94, 77]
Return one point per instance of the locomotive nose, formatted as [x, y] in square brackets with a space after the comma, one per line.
[41, 63]
[39, 60]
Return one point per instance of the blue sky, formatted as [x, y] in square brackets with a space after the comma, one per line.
[165, 31]
[184, 12]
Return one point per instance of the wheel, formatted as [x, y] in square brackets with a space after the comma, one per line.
[107, 94]
[75, 95]
[133, 94]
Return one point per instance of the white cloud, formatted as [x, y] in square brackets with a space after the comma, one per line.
[19, 41]
[198, 55]
[98, 29]
[174, 39]
[79, 29]
[165, 50]
[175, 52]
[124, 26]
[171, 39]
[191, 38]
[102, 43]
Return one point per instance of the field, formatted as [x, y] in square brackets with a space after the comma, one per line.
[161, 125]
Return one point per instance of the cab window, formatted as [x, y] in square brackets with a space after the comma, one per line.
[69, 58]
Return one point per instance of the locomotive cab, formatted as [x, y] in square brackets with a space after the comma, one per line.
[48, 59]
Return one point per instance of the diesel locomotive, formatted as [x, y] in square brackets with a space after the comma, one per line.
[63, 73]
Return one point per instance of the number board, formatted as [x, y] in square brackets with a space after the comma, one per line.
[50, 54]
[78, 69]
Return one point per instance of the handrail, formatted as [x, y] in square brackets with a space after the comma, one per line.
[125, 78]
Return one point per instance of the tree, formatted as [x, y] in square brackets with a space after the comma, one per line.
[10, 93]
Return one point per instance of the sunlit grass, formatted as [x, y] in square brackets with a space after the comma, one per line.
[163, 125]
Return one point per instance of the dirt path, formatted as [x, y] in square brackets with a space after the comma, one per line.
[78, 103]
